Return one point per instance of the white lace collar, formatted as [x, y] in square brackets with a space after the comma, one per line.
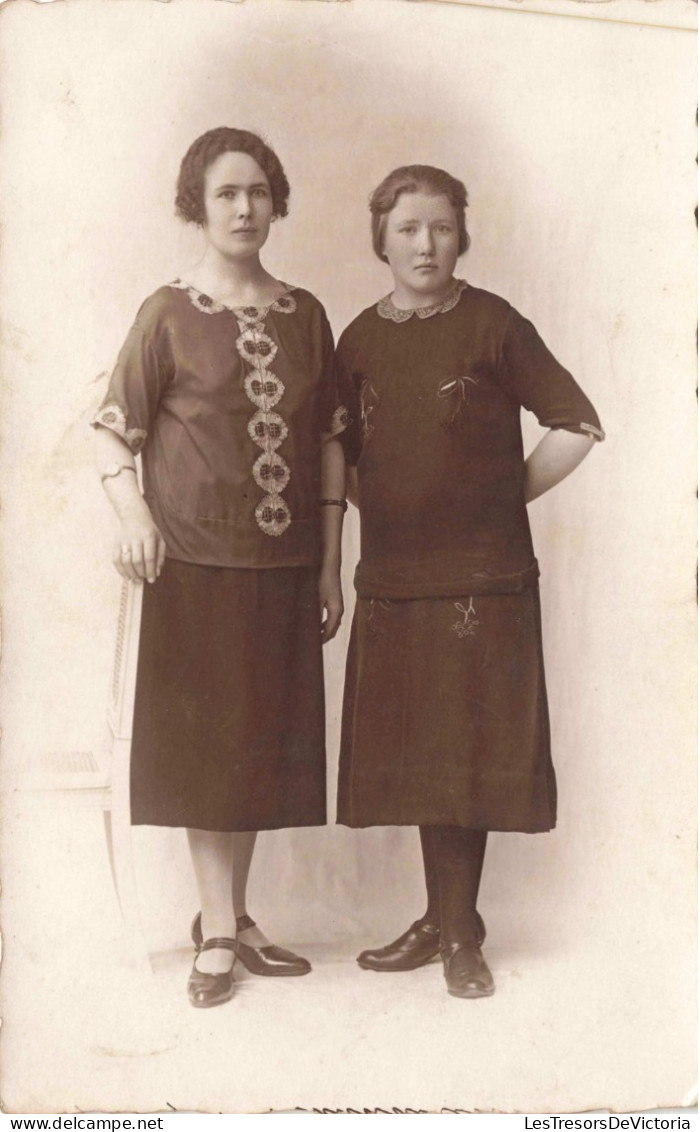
[386, 307]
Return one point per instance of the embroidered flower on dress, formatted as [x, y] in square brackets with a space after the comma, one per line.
[286, 304]
[250, 316]
[273, 515]
[369, 399]
[457, 388]
[202, 302]
[253, 344]
[387, 309]
[264, 391]
[340, 420]
[270, 472]
[468, 625]
[267, 430]
[112, 416]
[371, 626]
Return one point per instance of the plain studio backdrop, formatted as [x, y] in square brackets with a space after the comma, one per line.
[575, 138]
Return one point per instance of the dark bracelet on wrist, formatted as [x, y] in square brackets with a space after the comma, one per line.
[343, 503]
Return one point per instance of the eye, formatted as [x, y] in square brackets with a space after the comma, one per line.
[409, 229]
[260, 191]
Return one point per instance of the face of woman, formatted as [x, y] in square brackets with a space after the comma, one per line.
[421, 242]
[237, 205]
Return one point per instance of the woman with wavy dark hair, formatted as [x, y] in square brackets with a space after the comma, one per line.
[225, 386]
[445, 722]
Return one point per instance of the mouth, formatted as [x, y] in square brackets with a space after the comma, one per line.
[244, 231]
[426, 267]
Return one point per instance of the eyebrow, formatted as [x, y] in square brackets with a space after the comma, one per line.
[417, 220]
[254, 185]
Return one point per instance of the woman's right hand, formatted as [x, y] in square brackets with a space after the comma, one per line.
[139, 552]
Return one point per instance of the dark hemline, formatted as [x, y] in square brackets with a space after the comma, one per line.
[431, 821]
[216, 829]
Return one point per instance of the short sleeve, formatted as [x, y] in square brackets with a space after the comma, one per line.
[349, 395]
[334, 415]
[536, 379]
[139, 379]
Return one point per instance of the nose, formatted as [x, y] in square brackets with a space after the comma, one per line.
[426, 241]
[243, 205]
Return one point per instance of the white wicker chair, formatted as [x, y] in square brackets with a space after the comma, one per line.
[101, 779]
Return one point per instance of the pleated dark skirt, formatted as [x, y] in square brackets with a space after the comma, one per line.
[445, 717]
[229, 716]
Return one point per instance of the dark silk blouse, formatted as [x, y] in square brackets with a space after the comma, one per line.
[434, 398]
[227, 407]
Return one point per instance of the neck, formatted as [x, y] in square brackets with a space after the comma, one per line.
[244, 280]
[406, 299]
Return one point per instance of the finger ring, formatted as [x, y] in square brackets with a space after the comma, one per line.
[126, 552]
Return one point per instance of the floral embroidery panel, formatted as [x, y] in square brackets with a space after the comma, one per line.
[266, 428]
[264, 389]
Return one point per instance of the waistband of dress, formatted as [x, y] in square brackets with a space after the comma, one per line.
[390, 584]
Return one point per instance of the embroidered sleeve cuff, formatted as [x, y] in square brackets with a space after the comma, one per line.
[112, 417]
[340, 420]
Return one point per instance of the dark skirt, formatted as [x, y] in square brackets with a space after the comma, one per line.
[445, 716]
[229, 717]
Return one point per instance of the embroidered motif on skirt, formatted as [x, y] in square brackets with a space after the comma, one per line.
[469, 623]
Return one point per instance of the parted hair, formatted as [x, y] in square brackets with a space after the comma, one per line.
[189, 198]
[416, 179]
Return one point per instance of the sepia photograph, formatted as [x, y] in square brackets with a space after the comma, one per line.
[349, 469]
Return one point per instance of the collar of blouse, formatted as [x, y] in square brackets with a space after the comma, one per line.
[386, 308]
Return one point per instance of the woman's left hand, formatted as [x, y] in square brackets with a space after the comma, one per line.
[331, 600]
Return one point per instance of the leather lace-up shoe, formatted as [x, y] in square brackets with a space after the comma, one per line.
[417, 946]
[466, 972]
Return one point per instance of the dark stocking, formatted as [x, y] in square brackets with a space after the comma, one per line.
[459, 857]
[432, 912]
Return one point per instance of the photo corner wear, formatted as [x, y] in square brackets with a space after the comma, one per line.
[445, 718]
[227, 408]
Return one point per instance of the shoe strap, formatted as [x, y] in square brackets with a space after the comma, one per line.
[218, 941]
[422, 926]
[243, 923]
[449, 950]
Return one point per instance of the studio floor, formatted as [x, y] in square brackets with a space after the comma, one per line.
[88, 1027]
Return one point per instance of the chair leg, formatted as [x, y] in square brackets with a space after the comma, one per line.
[120, 850]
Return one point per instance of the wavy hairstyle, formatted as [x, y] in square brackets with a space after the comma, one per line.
[416, 179]
[189, 198]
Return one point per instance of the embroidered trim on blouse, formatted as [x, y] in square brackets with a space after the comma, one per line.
[387, 309]
[112, 416]
[285, 304]
[254, 343]
[340, 420]
[266, 428]
[269, 428]
[263, 392]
